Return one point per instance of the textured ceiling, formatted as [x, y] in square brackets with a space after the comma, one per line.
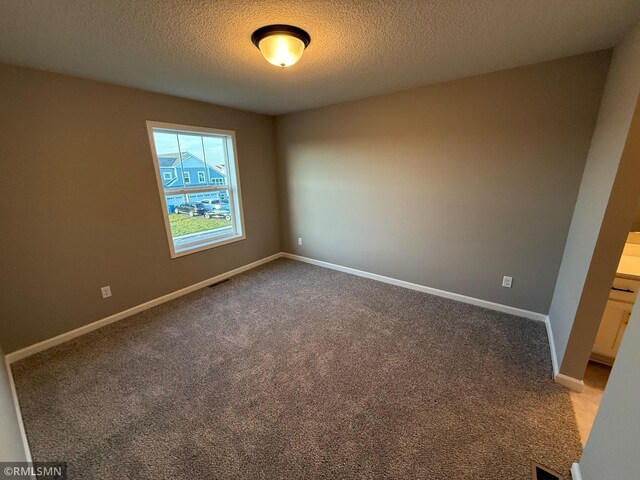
[202, 50]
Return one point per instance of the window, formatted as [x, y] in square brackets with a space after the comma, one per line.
[215, 215]
[166, 175]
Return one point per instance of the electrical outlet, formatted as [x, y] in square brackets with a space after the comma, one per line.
[299, 240]
[106, 291]
[507, 281]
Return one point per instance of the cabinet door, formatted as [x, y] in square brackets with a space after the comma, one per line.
[623, 326]
[611, 328]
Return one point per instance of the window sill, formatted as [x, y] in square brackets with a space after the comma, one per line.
[213, 243]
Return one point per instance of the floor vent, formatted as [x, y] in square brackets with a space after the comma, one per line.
[218, 283]
[543, 473]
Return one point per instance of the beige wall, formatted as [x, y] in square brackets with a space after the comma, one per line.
[80, 207]
[451, 185]
[603, 215]
[11, 447]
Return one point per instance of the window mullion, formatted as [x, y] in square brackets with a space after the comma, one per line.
[184, 184]
[184, 191]
[204, 159]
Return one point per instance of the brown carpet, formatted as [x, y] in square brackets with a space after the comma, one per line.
[295, 371]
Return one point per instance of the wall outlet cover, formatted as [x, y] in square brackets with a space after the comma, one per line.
[507, 281]
[106, 291]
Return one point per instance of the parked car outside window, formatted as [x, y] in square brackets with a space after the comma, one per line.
[192, 209]
[218, 213]
[211, 204]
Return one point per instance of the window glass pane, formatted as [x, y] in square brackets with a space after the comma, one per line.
[192, 158]
[215, 155]
[168, 159]
[198, 217]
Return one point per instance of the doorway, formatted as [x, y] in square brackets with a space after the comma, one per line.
[613, 324]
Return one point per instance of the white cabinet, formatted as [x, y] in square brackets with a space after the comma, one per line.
[614, 321]
[615, 318]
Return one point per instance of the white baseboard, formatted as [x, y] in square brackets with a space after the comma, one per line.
[57, 340]
[45, 344]
[421, 288]
[552, 347]
[51, 342]
[575, 472]
[565, 380]
[16, 404]
[569, 382]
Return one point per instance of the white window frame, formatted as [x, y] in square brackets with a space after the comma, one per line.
[186, 177]
[167, 175]
[202, 177]
[237, 232]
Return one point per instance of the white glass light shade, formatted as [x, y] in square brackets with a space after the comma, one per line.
[281, 49]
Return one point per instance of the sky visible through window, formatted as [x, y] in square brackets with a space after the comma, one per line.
[168, 143]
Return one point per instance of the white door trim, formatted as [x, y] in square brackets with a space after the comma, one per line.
[575, 471]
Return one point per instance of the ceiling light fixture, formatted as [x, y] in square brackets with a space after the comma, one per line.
[281, 45]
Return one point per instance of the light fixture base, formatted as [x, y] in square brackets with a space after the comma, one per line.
[279, 29]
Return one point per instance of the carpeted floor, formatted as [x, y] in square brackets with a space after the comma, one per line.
[295, 371]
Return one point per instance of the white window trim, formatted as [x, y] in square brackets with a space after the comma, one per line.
[186, 177]
[202, 177]
[167, 175]
[232, 173]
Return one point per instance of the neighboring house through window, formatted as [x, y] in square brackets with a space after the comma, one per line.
[209, 154]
